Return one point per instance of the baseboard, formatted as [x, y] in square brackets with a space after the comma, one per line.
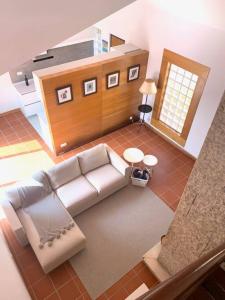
[169, 140]
[10, 111]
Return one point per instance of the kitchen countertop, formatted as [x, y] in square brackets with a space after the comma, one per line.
[67, 67]
[23, 89]
[125, 48]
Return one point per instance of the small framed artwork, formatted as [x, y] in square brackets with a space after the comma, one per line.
[133, 73]
[64, 94]
[112, 79]
[90, 86]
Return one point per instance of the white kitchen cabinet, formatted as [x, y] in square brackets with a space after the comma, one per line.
[29, 98]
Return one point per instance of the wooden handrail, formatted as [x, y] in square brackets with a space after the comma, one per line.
[183, 283]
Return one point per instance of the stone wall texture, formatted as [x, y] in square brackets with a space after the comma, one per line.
[199, 223]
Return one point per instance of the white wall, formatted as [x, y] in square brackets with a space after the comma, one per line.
[150, 25]
[83, 36]
[128, 24]
[9, 98]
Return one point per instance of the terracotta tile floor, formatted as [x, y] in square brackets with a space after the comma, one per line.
[23, 152]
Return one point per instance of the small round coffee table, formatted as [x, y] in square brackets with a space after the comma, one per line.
[150, 161]
[133, 155]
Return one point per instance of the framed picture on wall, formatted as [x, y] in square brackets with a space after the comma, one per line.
[112, 79]
[133, 73]
[90, 86]
[64, 94]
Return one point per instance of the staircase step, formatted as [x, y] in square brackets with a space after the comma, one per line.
[219, 276]
[138, 292]
[214, 288]
[201, 294]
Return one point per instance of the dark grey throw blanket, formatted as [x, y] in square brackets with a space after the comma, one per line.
[40, 202]
[50, 218]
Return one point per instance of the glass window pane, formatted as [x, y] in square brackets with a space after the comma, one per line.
[184, 90]
[171, 83]
[174, 68]
[186, 82]
[181, 71]
[172, 75]
[188, 74]
[177, 86]
[190, 93]
[194, 77]
[179, 78]
[192, 85]
[177, 99]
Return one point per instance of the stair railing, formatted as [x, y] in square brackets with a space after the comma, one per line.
[182, 284]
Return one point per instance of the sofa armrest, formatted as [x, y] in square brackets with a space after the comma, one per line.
[118, 163]
[14, 222]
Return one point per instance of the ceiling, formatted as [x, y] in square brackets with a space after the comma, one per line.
[28, 28]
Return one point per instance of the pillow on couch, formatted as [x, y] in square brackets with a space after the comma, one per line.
[31, 191]
[64, 172]
[42, 177]
[26, 193]
[93, 158]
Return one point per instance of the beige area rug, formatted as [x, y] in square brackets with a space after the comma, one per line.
[119, 230]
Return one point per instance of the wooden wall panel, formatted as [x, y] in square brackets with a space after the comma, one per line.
[121, 102]
[86, 118]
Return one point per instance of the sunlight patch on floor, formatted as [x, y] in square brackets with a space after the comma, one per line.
[15, 149]
[22, 166]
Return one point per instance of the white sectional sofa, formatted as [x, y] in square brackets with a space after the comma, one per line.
[79, 182]
[87, 178]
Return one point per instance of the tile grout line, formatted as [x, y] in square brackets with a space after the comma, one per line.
[55, 290]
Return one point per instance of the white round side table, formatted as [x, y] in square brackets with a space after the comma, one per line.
[150, 161]
[133, 155]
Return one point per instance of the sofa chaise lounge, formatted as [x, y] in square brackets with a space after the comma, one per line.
[79, 183]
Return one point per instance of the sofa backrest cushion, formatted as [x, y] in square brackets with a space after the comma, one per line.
[93, 158]
[64, 172]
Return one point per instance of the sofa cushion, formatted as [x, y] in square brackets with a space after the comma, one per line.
[106, 179]
[93, 158]
[64, 172]
[77, 195]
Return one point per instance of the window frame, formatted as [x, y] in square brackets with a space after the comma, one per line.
[194, 67]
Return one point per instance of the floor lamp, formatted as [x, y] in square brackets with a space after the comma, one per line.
[148, 87]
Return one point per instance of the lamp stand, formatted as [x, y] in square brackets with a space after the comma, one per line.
[144, 108]
[143, 119]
